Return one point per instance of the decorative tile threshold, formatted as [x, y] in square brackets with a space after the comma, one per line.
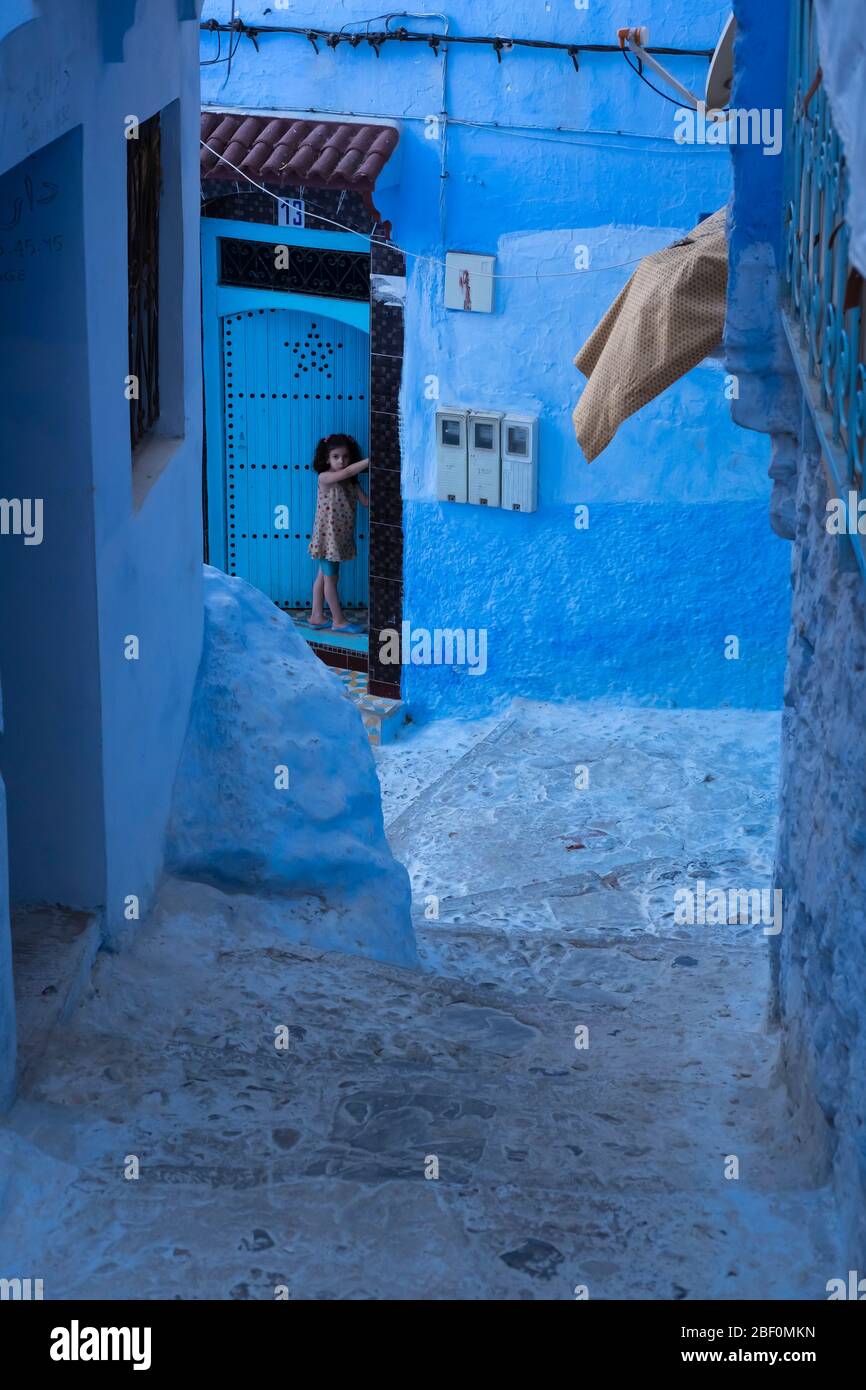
[383, 719]
[326, 637]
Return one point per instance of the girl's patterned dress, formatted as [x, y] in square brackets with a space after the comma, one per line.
[334, 529]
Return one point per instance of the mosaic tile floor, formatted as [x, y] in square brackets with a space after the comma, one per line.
[326, 637]
[382, 718]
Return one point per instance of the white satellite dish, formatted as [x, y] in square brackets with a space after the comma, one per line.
[719, 78]
[721, 73]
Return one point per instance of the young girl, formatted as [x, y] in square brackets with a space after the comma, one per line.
[337, 461]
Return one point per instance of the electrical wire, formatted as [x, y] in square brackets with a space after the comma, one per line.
[436, 260]
[499, 44]
[528, 133]
[680, 105]
[333, 39]
[234, 45]
[444, 173]
[232, 49]
[210, 62]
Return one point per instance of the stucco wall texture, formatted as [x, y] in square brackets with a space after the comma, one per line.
[74, 75]
[538, 161]
[820, 956]
[819, 959]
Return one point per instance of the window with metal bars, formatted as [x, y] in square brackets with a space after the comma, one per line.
[143, 192]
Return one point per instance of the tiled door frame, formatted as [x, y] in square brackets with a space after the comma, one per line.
[387, 308]
[384, 320]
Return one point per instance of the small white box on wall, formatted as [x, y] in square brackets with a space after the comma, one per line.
[485, 459]
[520, 463]
[469, 282]
[451, 454]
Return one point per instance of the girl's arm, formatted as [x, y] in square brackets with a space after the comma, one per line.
[362, 496]
[340, 475]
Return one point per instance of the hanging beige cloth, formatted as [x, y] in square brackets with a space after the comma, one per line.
[669, 316]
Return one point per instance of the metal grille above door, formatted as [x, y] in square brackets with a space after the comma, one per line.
[264, 265]
[290, 379]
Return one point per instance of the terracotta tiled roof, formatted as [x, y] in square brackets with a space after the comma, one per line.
[283, 152]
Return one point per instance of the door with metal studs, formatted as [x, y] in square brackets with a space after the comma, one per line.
[290, 378]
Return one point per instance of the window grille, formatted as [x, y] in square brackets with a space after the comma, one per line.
[143, 189]
[266, 265]
[823, 296]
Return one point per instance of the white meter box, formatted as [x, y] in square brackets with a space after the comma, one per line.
[485, 457]
[451, 454]
[469, 282]
[520, 463]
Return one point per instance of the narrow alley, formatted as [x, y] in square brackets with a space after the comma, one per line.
[432, 663]
[450, 1133]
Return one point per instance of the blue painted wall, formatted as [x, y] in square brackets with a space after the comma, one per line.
[16, 13]
[51, 666]
[8, 1038]
[755, 347]
[818, 960]
[69, 80]
[678, 554]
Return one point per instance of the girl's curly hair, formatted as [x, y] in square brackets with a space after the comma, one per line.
[335, 441]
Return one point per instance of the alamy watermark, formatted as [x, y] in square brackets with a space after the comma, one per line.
[21, 1289]
[853, 1288]
[22, 516]
[419, 646]
[846, 519]
[736, 126]
[720, 907]
[77, 1343]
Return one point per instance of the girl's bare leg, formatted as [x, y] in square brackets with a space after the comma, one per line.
[318, 613]
[338, 618]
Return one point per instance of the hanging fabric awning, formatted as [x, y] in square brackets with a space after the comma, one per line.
[669, 316]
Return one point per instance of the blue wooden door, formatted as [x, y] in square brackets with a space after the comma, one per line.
[290, 378]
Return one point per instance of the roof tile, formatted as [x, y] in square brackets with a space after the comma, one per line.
[285, 152]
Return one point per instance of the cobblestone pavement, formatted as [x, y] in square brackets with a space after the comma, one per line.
[592, 1161]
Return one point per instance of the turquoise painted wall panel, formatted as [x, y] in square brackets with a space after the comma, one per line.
[290, 377]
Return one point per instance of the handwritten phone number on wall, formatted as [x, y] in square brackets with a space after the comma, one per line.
[31, 246]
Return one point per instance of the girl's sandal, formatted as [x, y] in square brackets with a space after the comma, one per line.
[350, 627]
[317, 627]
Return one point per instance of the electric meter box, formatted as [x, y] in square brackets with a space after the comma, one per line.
[452, 428]
[520, 463]
[485, 457]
